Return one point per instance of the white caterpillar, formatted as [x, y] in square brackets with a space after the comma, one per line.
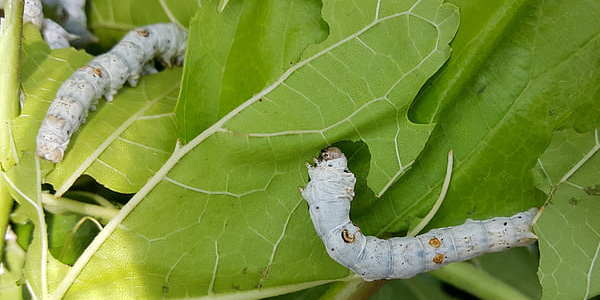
[329, 193]
[105, 75]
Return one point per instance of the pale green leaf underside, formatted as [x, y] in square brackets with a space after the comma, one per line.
[569, 228]
[223, 216]
[238, 52]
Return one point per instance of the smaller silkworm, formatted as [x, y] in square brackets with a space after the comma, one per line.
[104, 76]
[329, 193]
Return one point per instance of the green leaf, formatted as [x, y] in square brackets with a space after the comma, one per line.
[12, 266]
[569, 228]
[71, 233]
[237, 53]
[517, 267]
[502, 120]
[223, 216]
[482, 28]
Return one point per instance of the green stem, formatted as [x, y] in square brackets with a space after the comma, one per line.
[355, 288]
[477, 282]
[436, 206]
[63, 205]
[10, 50]
[88, 195]
[6, 202]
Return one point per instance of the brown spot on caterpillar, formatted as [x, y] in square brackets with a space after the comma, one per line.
[435, 242]
[438, 258]
[143, 32]
[97, 71]
[347, 237]
[260, 100]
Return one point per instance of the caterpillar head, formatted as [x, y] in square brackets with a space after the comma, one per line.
[333, 157]
[330, 153]
[53, 139]
[50, 150]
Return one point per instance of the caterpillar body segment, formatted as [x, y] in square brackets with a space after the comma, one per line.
[329, 194]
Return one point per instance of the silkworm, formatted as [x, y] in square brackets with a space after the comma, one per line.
[329, 193]
[104, 76]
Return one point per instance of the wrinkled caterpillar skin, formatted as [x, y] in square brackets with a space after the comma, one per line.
[329, 193]
[56, 36]
[104, 76]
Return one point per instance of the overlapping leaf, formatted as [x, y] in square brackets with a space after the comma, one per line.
[235, 54]
[502, 119]
[569, 228]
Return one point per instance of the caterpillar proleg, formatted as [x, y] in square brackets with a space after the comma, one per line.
[329, 193]
[104, 76]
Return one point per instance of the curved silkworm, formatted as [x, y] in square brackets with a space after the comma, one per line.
[104, 76]
[329, 193]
